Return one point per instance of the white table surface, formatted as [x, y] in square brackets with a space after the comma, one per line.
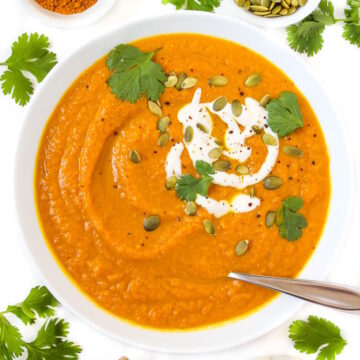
[338, 65]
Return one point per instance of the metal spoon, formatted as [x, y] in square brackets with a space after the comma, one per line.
[331, 295]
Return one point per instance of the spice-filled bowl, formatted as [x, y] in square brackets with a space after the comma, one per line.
[269, 13]
[68, 14]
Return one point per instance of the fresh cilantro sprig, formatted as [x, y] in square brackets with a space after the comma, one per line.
[289, 221]
[51, 341]
[29, 54]
[317, 333]
[134, 74]
[188, 186]
[199, 5]
[284, 114]
[307, 35]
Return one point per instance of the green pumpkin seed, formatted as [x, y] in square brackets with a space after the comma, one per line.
[181, 77]
[154, 108]
[247, 5]
[268, 140]
[202, 127]
[222, 165]
[218, 81]
[261, 13]
[218, 142]
[270, 219]
[163, 124]
[256, 129]
[291, 10]
[258, 8]
[209, 227]
[302, 2]
[215, 153]
[151, 222]
[255, 2]
[283, 12]
[190, 208]
[265, 100]
[272, 15]
[240, 2]
[295, 3]
[220, 103]
[265, 3]
[134, 156]
[292, 151]
[276, 9]
[252, 191]
[170, 182]
[236, 108]
[241, 247]
[272, 182]
[163, 139]
[171, 81]
[189, 134]
[253, 80]
[242, 169]
[272, 5]
[284, 4]
[189, 82]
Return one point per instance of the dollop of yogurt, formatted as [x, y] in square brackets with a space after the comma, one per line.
[239, 128]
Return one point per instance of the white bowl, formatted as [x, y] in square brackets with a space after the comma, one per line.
[231, 333]
[229, 8]
[93, 13]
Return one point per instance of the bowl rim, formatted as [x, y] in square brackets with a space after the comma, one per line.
[88, 16]
[66, 291]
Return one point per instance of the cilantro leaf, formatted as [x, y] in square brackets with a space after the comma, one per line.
[284, 114]
[29, 54]
[315, 333]
[199, 5]
[352, 25]
[39, 301]
[188, 186]
[10, 340]
[134, 74]
[293, 203]
[50, 342]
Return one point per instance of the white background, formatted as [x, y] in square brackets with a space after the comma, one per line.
[338, 65]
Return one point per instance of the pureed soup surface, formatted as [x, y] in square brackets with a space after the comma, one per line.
[92, 200]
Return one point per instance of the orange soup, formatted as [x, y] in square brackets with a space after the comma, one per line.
[107, 187]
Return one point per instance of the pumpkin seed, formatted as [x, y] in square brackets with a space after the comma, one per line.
[252, 191]
[258, 8]
[272, 15]
[291, 10]
[283, 12]
[209, 227]
[163, 124]
[255, 2]
[270, 219]
[276, 9]
[202, 127]
[189, 134]
[181, 77]
[151, 222]
[302, 2]
[292, 151]
[241, 247]
[284, 4]
[253, 80]
[220, 103]
[242, 169]
[170, 182]
[215, 153]
[154, 108]
[256, 129]
[295, 3]
[261, 13]
[171, 81]
[272, 182]
[218, 142]
[134, 156]
[218, 81]
[272, 5]
[265, 100]
[240, 2]
[163, 139]
[190, 208]
[236, 108]
[265, 3]
[247, 5]
[276, 1]
[222, 165]
[189, 82]
[268, 140]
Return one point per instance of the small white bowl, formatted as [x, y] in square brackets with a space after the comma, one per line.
[227, 334]
[229, 8]
[93, 13]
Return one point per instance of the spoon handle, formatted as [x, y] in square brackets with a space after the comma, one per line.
[332, 295]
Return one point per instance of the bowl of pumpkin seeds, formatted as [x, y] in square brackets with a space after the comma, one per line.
[274, 13]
